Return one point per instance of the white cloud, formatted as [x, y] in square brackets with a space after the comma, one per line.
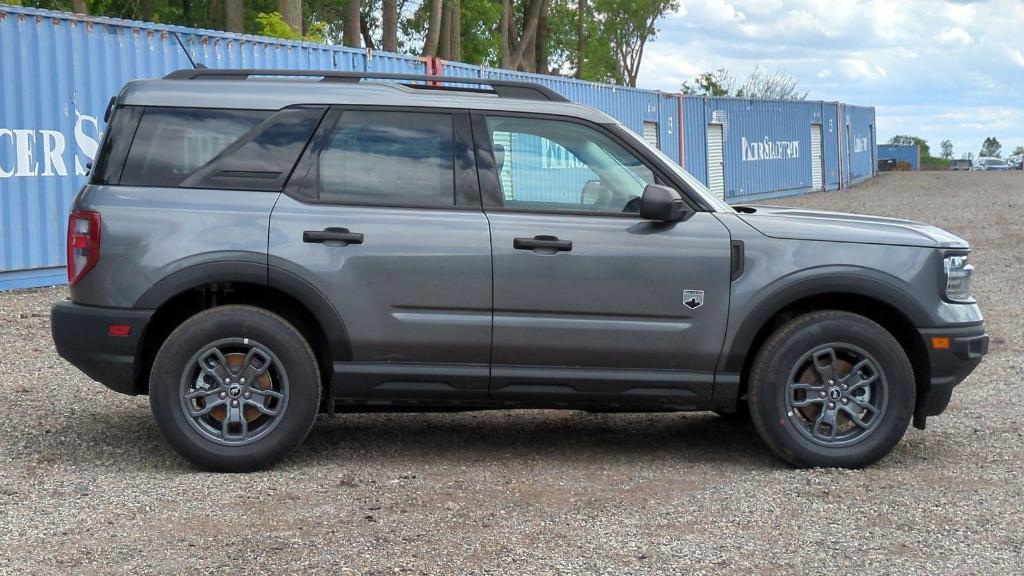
[955, 35]
[917, 61]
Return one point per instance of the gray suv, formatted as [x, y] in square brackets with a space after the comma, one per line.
[254, 249]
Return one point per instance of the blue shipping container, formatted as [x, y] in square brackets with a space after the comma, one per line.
[60, 70]
[909, 154]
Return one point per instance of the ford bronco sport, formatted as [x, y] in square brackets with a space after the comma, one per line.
[252, 250]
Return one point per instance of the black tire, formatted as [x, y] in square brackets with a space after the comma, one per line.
[289, 363]
[824, 336]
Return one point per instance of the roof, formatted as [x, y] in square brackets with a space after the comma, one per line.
[274, 94]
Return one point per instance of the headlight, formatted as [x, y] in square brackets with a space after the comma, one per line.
[958, 278]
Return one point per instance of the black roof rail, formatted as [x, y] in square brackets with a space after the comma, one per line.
[502, 88]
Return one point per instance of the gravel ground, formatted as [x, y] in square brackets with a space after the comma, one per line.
[88, 486]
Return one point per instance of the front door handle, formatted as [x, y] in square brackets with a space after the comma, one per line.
[341, 235]
[549, 244]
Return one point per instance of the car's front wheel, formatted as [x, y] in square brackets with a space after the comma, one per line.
[235, 388]
[831, 389]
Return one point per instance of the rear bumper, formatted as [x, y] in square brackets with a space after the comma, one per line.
[949, 367]
[81, 336]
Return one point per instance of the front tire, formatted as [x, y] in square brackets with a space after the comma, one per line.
[831, 389]
[235, 389]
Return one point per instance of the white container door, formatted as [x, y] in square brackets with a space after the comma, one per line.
[651, 134]
[716, 160]
[817, 181]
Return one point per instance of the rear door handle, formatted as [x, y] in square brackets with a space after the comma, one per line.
[542, 244]
[332, 235]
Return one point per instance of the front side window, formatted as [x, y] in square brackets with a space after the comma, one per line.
[389, 158]
[172, 143]
[559, 165]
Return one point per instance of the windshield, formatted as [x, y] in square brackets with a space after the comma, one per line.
[711, 199]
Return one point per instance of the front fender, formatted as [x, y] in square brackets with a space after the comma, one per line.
[753, 312]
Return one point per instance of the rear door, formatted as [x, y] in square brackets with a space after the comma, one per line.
[383, 217]
[591, 302]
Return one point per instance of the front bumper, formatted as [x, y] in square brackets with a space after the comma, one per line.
[81, 335]
[948, 367]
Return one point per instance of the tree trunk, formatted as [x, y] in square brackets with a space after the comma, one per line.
[444, 42]
[506, 33]
[389, 21]
[146, 10]
[434, 28]
[214, 15]
[456, 30]
[529, 37]
[364, 29]
[291, 12]
[234, 15]
[186, 12]
[79, 7]
[581, 37]
[350, 27]
[541, 48]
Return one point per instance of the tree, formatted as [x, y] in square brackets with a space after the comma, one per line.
[389, 23]
[291, 13]
[717, 83]
[761, 83]
[777, 85]
[991, 147]
[627, 26]
[581, 36]
[1018, 151]
[79, 7]
[352, 24]
[234, 15]
[905, 140]
[947, 149]
[433, 28]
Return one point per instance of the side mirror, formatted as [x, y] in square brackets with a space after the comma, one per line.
[661, 203]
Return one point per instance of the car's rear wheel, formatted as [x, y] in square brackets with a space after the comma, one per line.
[235, 388]
[831, 389]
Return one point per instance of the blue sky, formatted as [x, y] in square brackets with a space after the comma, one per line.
[931, 68]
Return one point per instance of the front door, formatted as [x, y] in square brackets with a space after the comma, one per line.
[591, 302]
[385, 221]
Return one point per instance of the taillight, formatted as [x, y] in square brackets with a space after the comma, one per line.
[83, 244]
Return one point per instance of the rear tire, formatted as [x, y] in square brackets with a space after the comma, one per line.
[235, 389]
[831, 389]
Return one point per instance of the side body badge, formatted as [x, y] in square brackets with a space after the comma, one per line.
[693, 299]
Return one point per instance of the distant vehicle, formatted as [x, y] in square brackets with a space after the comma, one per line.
[990, 164]
[960, 164]
[1015, 162]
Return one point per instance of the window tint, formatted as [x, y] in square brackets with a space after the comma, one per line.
[114, 148]
[389, 158]
[263, 160]
[556, 165]
[172, 143]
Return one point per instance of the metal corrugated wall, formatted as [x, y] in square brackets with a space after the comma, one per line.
[908, 153]
[59, 71]
[859, 142]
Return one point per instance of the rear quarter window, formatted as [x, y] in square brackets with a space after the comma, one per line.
[172, 143]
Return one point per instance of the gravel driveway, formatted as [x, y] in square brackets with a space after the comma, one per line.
[87, 484]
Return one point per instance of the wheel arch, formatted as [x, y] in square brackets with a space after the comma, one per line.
[880, 301]
[200, 287]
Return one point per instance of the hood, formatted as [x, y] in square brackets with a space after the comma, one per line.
[800, 224]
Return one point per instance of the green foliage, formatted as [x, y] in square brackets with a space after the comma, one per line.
[1017, 151]
[905, 140]
[273, 25]
[947, 149]
[717, 83]
[930, 163]
[991, 147]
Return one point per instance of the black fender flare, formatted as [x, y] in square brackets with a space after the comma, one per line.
[822, 281]
[241, 271]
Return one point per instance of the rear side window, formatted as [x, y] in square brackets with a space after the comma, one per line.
[172, 143]
[389, 158]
